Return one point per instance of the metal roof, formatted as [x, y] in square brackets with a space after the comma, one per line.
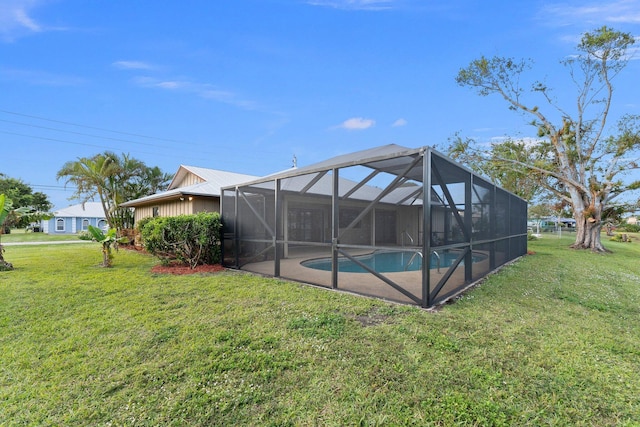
[213, 180]
[81, 210]
[216, 177]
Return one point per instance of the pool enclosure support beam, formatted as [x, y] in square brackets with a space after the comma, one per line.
[263, 221]
[492, 229]
[313, 182]
[451, 202]
[236, 224]
[452, 268]
[335, 228]
[360, 184]
[279, 220]
[412, 195]
[468, 224]
[398, 180]
[258, 215]
[381, 277]
[426, 226]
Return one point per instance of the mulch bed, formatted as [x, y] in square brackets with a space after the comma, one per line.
[180, 269]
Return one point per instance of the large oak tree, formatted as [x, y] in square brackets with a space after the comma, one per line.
[576, 156]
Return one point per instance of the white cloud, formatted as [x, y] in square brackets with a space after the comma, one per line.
[171, 85]
[399, 122]
[23, 19]
[132, 65]
[593, 13]
[354, 4]
[356, 123]
[203, 90]
[16, 19]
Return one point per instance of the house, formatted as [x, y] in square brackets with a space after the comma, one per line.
[192, 190]
[76, 218]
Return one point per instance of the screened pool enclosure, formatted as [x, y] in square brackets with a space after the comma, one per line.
[407, 225]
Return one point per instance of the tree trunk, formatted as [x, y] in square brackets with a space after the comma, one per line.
[4, 265]
[106, 259]
[588, 233]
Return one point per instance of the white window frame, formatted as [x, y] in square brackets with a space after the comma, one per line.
[58, 222]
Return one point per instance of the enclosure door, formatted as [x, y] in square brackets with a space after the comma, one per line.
[386, 227]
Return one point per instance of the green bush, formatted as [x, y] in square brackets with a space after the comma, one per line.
[84, 235]
[190, 239]
[631, 228]
[620, 237]
[141, 223]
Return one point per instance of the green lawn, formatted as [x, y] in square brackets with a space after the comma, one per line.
[19, 235]
[553, 339]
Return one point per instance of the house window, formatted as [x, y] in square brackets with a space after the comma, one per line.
[102, 224]
[85, 224]
[348, 215]
[305, 225]
[156, 211]
[59, 224]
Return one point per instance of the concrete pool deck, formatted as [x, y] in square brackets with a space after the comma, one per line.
[291, 268]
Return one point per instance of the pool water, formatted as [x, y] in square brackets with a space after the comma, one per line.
[387, 262]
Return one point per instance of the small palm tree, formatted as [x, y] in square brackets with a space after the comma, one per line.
[109, 241]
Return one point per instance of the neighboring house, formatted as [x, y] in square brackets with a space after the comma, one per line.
[76, 218]
[192, 190]
[550, 223]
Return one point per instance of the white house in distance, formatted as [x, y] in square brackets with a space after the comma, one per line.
[76, 218]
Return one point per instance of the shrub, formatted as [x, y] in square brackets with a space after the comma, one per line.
[141, 223]
[85, 235]
[620, 237]
[190, 239]
[631, 228]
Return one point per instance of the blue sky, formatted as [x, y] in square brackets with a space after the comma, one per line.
[245, 85]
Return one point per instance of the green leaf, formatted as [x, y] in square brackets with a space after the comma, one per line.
[96, 233]
[3, 212]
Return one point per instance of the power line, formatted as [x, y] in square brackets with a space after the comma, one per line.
[49, 187]
[51, 139]
[200, 152]
[88, 145]
[78, 133]
[91, 127]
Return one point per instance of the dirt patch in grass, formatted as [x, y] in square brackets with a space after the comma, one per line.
[372, 320]
[180, 269]
[374, 317]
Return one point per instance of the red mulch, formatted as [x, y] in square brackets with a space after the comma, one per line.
[180, 269]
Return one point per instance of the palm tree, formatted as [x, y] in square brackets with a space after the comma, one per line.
[114, 180]
[92, 176]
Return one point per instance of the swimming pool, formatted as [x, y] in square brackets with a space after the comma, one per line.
[389, 262]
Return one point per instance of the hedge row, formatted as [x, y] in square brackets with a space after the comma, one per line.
[190, 239]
